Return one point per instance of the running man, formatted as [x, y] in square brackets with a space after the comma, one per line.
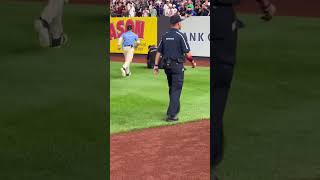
[128, 41]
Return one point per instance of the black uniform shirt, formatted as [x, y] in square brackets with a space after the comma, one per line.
[173, 45]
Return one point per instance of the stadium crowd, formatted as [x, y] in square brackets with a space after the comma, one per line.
[147, 8]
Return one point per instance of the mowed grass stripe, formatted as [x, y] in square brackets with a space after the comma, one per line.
[140, 101]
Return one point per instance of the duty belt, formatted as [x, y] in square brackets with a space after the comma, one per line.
[170, 60]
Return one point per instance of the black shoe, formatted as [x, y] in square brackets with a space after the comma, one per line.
[172, 119]
[62, 40]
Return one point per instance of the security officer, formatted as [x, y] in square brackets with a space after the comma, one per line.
[128, 41]
[49, 26]
[174, 47]
[223, 47]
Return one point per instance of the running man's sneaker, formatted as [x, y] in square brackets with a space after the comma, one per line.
[128, 74]
[57, 43]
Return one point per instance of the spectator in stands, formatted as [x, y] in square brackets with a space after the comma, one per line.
[132, 10]
[190, 5]
[190, 12]
[170, 11]
[174, 8]
[153, 11]
[136, 8]
[145, 12]
[197, 7]
[182, 9]
[121, 9]
[166, 8]
[204, 11]
[151, 4]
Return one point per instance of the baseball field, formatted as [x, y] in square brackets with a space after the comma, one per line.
[142, 143]
[141, 100]
[54, 104]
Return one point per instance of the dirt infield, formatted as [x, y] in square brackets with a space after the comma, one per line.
[179, 152]
[202, 62]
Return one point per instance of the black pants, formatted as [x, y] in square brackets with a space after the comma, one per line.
[175, 77]
[223, 52]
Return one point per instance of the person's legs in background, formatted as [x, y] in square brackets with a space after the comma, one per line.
[224, 56]
[222, 77]
[56, 31]
[50, 22]
[129, 60]
[124, 66]
[128, 56]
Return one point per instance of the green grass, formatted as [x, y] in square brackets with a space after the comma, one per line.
[141, 100]
[53, 101]
[272, 119]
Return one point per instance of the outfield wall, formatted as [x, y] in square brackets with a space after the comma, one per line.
[150, 30]
[145, 28]
[197, 30]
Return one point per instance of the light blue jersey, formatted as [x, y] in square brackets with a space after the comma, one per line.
[129, 38]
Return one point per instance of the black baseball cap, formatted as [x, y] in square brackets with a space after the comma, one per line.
[175, 19]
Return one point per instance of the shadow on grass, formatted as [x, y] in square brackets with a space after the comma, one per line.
[25, 50]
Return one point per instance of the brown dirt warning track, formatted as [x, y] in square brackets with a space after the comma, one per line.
[179, 152]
